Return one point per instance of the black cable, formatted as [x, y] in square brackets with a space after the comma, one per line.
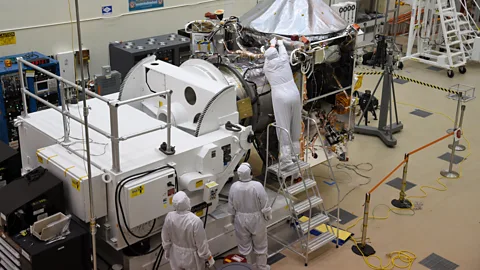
[206, 217]
[118, 203]
[158, 260]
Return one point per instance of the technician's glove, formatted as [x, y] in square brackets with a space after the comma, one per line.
[210, 262]
[280, 42]
[267, 213]
[273, 42]
[167, 254]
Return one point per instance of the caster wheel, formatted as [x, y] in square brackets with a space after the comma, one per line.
[315, 156]
[306, 264]
[400, 65]
[462, 70]
[450, 73]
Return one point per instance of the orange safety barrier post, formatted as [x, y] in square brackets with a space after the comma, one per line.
[364, 249]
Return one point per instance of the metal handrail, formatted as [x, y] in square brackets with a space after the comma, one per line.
[113, 106]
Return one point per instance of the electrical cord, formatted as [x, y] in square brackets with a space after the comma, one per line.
[405, 256]
[118, 204]
[354, 168]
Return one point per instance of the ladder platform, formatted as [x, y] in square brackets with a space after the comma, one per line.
[320, 241]
[300, 187]
[305, 205]
[314, 222]
[284, 173]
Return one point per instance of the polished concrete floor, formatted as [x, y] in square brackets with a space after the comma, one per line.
[448, 223]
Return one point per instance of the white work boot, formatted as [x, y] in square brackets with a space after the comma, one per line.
[262, 262]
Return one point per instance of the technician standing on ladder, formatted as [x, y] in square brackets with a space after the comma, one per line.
[287, 105]
[248, 203]
[183, 237]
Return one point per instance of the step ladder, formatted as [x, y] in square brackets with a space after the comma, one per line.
[438, 34]
[307, 214]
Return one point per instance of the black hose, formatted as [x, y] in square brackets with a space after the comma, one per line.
[206, 217]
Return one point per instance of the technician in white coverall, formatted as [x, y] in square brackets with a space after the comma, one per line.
[248, 203]
[183, 237]
[287, 106]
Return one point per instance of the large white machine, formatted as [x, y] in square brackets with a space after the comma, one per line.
[135, 171]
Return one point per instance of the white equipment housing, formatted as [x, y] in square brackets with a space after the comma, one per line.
[206, 153]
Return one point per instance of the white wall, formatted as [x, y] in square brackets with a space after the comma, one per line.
[44, 25]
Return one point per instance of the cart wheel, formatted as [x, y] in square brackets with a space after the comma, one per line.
[400, 65]
[450, 73]
[315, 155]
[462, 70]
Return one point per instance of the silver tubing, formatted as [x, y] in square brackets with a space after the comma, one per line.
[124, 138]
[77, 119]
[22, 86]
[114, 139]
[66, 127]
[58, 78]
[457, 115]
[169, 121]
[93, 223]
[329, 94]
[365, 221]
[123, 102]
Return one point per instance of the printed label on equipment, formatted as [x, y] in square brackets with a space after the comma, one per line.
[160, 104]
[76, 184]
[25, 254]
[39, 211]
[199, 184]
[199, 213]
[137, 191]
[30, 73]
[8, 38]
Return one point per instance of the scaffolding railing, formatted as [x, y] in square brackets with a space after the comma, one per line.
[114, 105]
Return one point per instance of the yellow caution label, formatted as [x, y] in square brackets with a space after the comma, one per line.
[199, 213]
[40, 159]
[160, 104]
[137, 191]
[76, 184]
[199, 184]
[171, 200]
[228, 260]
[8, 38]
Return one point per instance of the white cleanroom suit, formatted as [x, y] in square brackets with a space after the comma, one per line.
[287, 105]
[248, 203]
[183, 237]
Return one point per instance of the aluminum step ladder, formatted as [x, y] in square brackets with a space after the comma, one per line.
[452, 35]
[468, 33]
[438, 35]
[307, 214]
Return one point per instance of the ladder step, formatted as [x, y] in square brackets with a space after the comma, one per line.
[286, 172]
[451, 31]
[466, 32]
[454, 43]
[457, 54]
[448, 9]
[320, 241]
[305, 205]
[314, 222]
[300, 187]
[450, 20]
[462, 22]
[469, 41]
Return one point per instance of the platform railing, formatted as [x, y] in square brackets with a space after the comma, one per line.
[113, 106]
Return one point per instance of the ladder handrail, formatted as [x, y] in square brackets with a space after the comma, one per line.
[469, 17]
[331, 172]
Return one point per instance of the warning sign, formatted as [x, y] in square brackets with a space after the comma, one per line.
[8, 38]
[76, 184]
[137, 191]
